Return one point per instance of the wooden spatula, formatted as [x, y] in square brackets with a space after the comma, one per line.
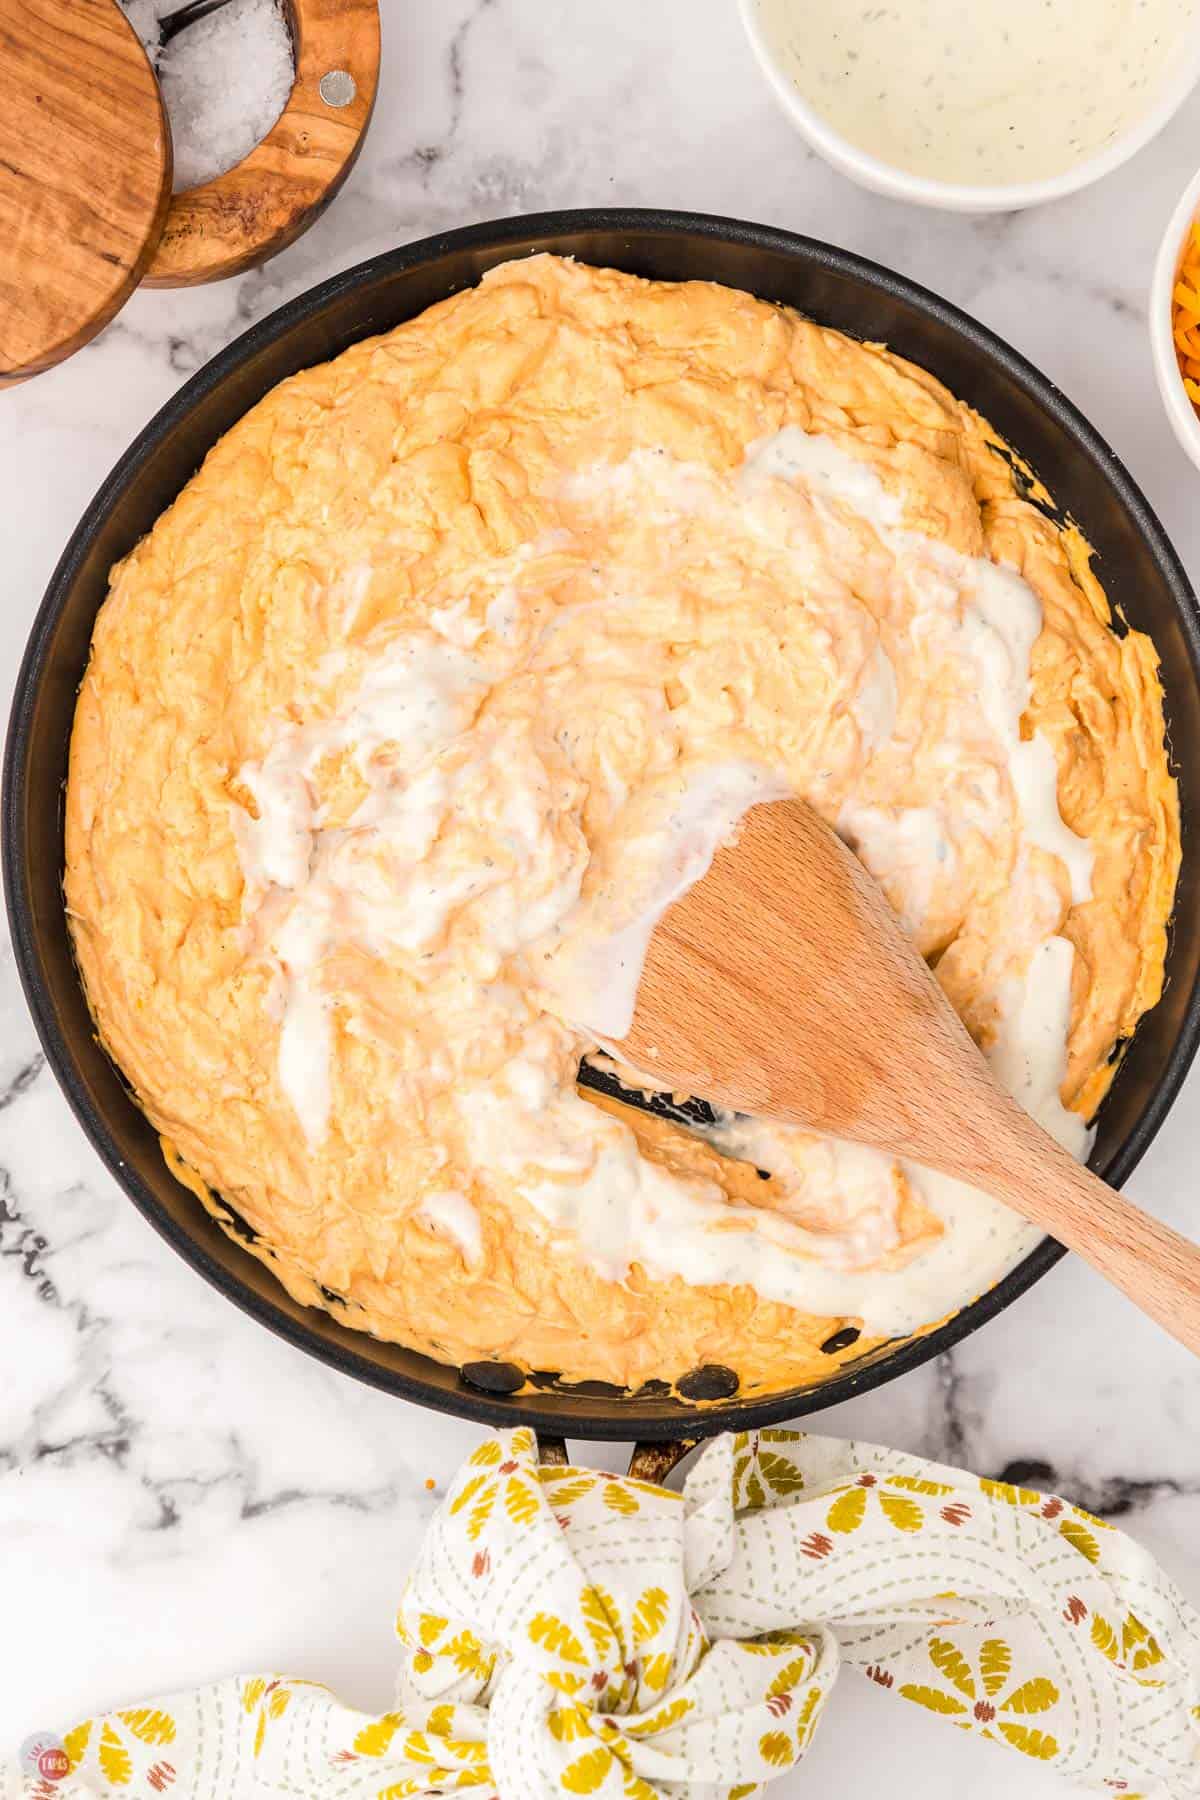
[782, 985]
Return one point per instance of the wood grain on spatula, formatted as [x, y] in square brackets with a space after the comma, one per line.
[782, 985]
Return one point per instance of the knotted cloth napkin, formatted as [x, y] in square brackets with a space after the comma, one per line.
[567, 1633]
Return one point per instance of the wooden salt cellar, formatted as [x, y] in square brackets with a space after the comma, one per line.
[264, 203]
[86, 210]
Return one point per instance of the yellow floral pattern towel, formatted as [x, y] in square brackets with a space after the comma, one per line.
[573, 1633]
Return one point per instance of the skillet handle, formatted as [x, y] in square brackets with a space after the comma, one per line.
[647, 1462]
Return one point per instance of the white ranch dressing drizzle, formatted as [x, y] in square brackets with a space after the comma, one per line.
[1001, 627]
[450, 1212]
[997, 631]
[995, 92]
[593, 979]
[420, 691]
[419, 732]
[874, 704]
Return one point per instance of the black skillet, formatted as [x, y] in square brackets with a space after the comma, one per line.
[1140, 570]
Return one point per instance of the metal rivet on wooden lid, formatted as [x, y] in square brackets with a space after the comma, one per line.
[337, 87]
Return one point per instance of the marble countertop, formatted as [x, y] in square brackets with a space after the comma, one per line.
[181, 1496]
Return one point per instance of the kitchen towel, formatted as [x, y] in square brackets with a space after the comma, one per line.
[567, 1632]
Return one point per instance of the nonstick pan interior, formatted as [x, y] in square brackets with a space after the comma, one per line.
[1140, 571]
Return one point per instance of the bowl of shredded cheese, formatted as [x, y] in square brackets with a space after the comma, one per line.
[1175, 320]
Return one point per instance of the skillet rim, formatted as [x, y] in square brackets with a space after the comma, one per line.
[614, 1418]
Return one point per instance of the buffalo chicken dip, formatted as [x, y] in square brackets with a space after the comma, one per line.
[455, 661]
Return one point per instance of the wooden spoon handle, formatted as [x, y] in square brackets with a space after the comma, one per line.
[1152, 1265]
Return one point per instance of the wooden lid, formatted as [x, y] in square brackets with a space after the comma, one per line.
[85, 175]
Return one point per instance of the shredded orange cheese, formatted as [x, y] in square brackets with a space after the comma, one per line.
[1185, 316]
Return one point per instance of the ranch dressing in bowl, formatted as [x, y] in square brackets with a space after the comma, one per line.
[995, 93]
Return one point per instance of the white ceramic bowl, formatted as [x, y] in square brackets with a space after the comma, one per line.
[1183, 416]
[900, 184]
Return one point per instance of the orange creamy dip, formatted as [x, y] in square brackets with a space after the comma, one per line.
[455, 660]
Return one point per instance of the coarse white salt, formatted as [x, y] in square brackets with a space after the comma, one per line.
[225, 80]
